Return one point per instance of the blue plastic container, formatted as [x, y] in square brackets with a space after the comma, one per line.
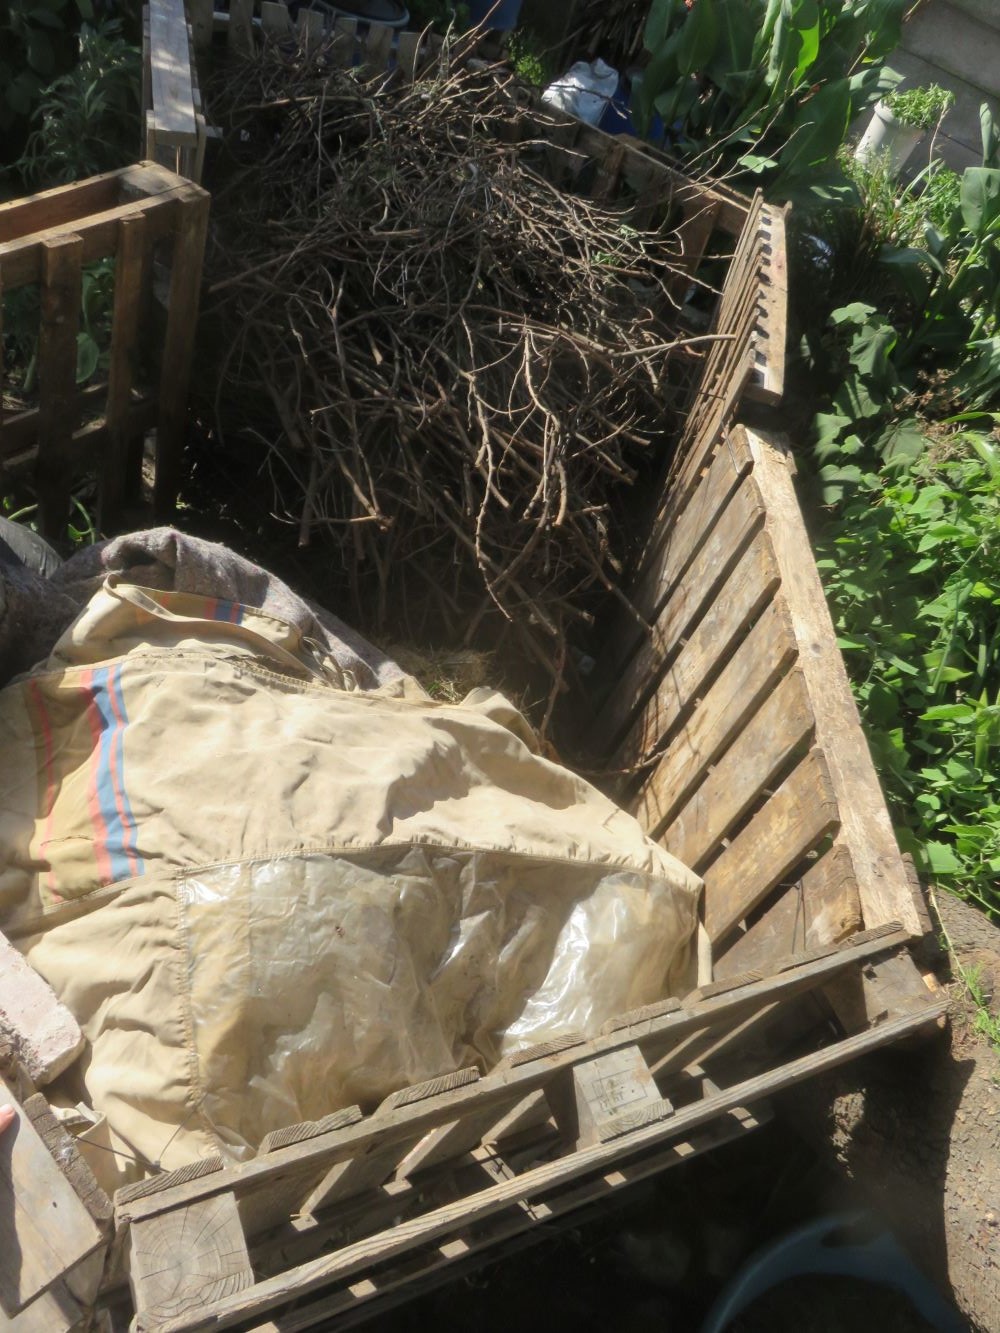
[503, 17]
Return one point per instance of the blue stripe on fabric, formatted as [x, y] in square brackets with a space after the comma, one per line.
[130, 831]
[114, 833]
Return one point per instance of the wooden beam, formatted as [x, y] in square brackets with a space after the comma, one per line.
[60, 319]
[883, 885]
[170, 71]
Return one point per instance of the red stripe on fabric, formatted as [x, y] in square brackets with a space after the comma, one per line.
[211, 608]
[93, 800]
[45, 727]
[117, 778]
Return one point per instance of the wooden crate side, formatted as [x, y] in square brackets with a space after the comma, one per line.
[699, 587]
[728, 618]
[791, 823]
[444, 1220]
[741, 777]
[884, 887]
[821, 907]
[746, 681]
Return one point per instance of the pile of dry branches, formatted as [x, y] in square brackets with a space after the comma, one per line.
[454, 366]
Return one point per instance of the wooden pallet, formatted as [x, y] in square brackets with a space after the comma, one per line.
[341, 1212]
[735, 710]
[47, 239]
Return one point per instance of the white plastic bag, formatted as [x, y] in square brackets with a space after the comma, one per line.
[583, 91]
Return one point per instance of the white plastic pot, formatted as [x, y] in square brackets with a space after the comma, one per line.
[888, 137]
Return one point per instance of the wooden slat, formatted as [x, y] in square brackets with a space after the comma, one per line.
[776, 732]
[365, 1172]
[309, 1129]
[747, 679]
[124, 341]
[822, 908]
[792, 823]
[45, 1228]
[310, 26]
[456, 1139]
[615, 1094]
[266, 1176]
[702, 582]
[408, 54]
[388, 1287]
[674, 540]
[21, 259]
[275, 18]
[443, 1221]
[344, 37]
[239, 33]
[178, 346]
[201, 23]
[747, 592]
[692, 237]
[59, 207]
[378, 48]
[183, 1261]
[18, 444]
[769, 383]
[60, 320]
[883, 885]
[170, 67]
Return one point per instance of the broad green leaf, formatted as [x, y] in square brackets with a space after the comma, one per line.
[698, 37]
[939, 859]
[980, 199]
[949, 713]
[87, 357]
[40, 53]
[658, 23]
[990, 136]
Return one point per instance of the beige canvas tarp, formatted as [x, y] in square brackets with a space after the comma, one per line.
[266, 893]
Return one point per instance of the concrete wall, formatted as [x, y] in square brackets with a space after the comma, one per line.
[955, 43]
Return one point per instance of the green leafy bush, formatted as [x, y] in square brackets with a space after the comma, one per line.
[766, 89]
[911, 566]
[87, 121]
[920, 107]
[36, 45]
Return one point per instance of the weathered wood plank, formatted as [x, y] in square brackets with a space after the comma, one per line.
[62, 261]
[344, 38]
[443, 1221]
[201, 23]
[239, 33]
[615, 1094]
[769, 382]
[129, 260]
[45, 1228]
[267, 1176]
[454, 1140]
[675, 537]
[170, 70]
[22, 258]
[178, 345]
[822, 908]
[799, 814]
[738, 692]
[377, 50]
[747, 592]
[275, 18]
[883, 885]
[408, 54]
[183, 1261]
[700, 585]
[59, 207]
[780, 729]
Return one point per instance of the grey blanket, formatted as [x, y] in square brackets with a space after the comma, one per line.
[34, 610]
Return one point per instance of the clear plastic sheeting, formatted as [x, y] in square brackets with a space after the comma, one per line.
[266, 893]
[321, 981]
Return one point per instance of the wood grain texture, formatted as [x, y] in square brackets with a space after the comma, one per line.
[239, 33]
[614, 1094]
[170, 71]
[278, 1176]
[178, 346]
[883, 885]
[309, 1129]
[45, 1228]
[748, 590]
[676, 535]
[62, 260]
[791, 823]
[183, 1261]
[129, 268]
[768, 384]
[778, 730]
[821, 908]
[700, 585]
[746, 682]
[443, 1221]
